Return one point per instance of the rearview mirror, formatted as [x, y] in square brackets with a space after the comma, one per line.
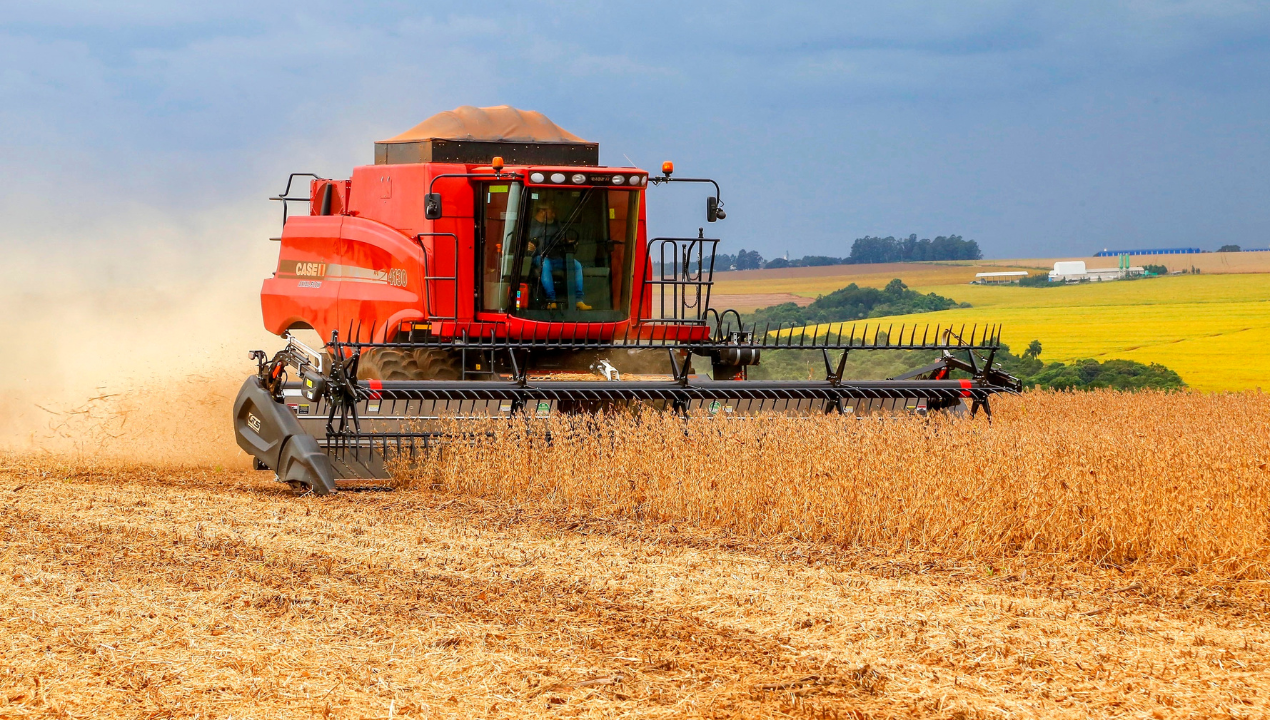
[713, 211]
[432, 206]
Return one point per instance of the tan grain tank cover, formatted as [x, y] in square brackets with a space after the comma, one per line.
[501, 123]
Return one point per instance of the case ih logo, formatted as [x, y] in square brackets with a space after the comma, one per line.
[303, 269]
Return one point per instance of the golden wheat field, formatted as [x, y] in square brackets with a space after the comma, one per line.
[1089, 555]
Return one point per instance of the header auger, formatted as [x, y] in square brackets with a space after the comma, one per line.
[487, 267]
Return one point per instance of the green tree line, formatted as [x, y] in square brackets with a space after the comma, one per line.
[867, 249]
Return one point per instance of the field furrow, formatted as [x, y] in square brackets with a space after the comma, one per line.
[134, 591]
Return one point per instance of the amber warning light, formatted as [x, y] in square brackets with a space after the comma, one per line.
[497, 164]
[667, 168]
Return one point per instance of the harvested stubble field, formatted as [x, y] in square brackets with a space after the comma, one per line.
[1100, 555]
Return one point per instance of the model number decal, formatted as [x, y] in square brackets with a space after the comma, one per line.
[312, 273]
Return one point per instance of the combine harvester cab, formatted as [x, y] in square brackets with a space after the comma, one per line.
[487, 266]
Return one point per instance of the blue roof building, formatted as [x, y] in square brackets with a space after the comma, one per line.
[1156, 251]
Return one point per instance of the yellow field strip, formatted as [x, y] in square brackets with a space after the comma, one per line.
[1211, 329]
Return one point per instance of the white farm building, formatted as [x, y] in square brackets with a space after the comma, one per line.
[1075, 271]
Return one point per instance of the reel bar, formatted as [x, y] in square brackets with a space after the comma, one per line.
[489, 390]
[583, 336]
[700, 348]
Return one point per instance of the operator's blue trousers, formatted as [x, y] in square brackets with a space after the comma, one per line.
[549, 283]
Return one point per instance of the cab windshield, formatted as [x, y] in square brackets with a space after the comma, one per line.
[559, 254]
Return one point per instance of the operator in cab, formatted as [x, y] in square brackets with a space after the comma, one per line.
[550, 244]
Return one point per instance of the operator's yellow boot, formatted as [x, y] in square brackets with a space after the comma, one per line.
[583, 306]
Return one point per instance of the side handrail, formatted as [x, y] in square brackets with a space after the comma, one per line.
[429, 278]
[684, 275]
[285, 197]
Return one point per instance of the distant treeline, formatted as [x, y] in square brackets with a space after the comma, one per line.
[910, 249]
[854, 303]
[867, 249]
[1089, 374]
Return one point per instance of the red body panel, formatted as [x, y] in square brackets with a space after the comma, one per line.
[341, 273]
[362, 268]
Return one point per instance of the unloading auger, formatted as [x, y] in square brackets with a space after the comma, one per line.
[487, 266]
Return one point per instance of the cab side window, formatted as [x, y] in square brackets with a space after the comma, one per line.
[500, 204]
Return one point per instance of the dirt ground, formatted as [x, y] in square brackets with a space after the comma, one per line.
[147, 593]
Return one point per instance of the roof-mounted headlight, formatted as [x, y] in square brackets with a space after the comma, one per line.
[537, 177]
[578, 178]
[619, 179]
[557, 177]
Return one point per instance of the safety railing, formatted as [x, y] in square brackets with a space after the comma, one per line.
[285, 196]
[679, 284]
[429, 279]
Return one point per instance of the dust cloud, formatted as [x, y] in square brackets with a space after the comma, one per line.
[133, 347]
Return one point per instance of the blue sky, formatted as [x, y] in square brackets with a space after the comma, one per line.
[1038, 129]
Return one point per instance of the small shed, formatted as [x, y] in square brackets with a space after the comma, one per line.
[994, 278]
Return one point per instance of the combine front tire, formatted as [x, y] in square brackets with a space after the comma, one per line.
[408, 364]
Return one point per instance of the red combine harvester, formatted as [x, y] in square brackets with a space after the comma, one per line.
[486, 266]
